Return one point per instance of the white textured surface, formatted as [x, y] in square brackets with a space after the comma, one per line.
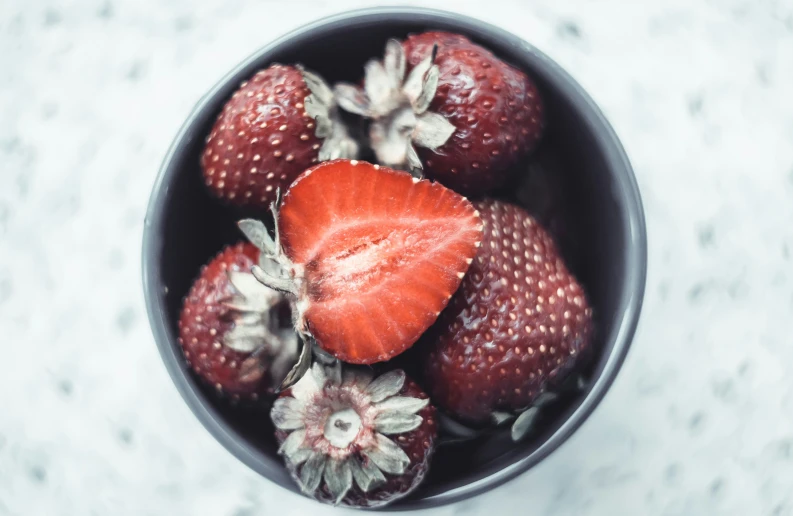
[700, 422]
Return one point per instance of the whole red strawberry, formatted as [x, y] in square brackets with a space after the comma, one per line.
[515, 328]
[370, 256]
[351, 439]
[277, 124]
[469, 115]
[230, 328]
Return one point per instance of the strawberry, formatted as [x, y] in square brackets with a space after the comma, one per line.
[369, 255]
[470, 115]
[229, 327]
[276, 125]
[517, 327]
[351, 439]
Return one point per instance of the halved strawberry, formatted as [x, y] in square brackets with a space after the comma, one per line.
[371, 256]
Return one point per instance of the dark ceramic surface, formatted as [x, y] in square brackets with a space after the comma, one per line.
[580, 183]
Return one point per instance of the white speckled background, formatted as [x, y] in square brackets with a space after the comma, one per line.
[700, 421]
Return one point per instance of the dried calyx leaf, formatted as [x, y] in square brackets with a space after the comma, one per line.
[273, 268]
[250, 308]
[321, 106]
[526, 420]
[282, 363]
[398, 107]
[521, 422]
[272, 274]
[340, 424]
[499, 418]
[299, 369]
[256, 329]
[524, 423]
[256, 232]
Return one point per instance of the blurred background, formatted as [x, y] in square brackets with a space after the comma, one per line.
[699, 421]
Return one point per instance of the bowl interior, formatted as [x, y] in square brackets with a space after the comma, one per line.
[570, 184]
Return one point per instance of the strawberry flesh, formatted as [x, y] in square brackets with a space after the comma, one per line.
[377, 255]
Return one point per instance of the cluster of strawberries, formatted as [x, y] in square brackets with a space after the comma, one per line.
[363, 261]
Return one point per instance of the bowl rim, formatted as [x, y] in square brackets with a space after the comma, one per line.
[632, 217]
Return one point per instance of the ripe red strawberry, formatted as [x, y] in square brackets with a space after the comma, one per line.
[230, 328]
[277, 124]
[470, 115]
[370, 255]
[517, 325]
[355, 440]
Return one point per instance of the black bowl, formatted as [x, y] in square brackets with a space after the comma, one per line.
[580, 183]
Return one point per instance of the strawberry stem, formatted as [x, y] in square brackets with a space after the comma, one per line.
[256, 232]
[299, 369]
[285, 285]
